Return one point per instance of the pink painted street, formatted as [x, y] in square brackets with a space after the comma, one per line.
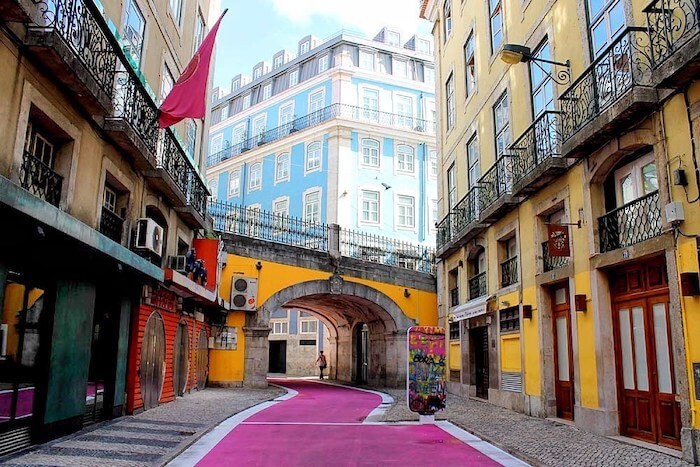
[325, 424]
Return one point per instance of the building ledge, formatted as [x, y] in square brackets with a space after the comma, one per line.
[186, 287]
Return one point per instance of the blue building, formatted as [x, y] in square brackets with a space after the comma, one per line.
[342, 131]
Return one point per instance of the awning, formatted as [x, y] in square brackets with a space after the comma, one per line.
[470, 309]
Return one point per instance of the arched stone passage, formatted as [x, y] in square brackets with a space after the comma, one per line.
[340, 306]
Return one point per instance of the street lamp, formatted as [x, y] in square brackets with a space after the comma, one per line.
[515, 53]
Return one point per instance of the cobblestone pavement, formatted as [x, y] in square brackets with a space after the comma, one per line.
[535, 440]
[150, 438]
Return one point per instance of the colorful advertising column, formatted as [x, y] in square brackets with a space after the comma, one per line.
[426, 370]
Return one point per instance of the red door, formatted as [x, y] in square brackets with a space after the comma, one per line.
[563, 355]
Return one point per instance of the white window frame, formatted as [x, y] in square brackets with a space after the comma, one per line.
[404, 120]
[306, 205]
[246, 102]
[256, 129]
[433, 163]
[397, 35]
[371, 60]
[447, 19]
[295, 74]
[217, 142]
[284, 177]
[451, 187]
[224, 113]
[366, 159]
[280, 328]
[176, 11]
[495, 8]
[313, 165]
[307, 321]
[502, 133]
[377, 204]
[257, 72]
[304, 47]
[450, 101]
[313, 100]
[324, 63]
[473, 161]
[402, 166]
[423, 46]
[239, 129]
[257, 166]
[213, 186]
[234, 189]
[109, 200]
[434, 214]
[167, 82]
[400, 204]
[470, 64]
[280, 216]
[281, 119]
[367, 112]
[277, 61]
[140, 35]
[394, 71]
[267, 91]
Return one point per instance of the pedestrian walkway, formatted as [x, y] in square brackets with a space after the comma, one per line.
[150, 438]
[538, 441]
[320, 424]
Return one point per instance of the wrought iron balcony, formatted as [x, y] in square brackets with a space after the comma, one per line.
[111, 225]
[466, 213]
[618, 82]
[444, 232]
[509, 272]
[537, 155]
[477, 286]
[318, 117]
[40, 179]
[674, 28]
[72, 41]
[631, 223]
[496, 190]
[550, 263]
[454, 296]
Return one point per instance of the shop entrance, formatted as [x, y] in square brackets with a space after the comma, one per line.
[479, 339]
[563, 357]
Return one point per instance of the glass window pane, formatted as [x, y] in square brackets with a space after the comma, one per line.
[595, 6]
[640, 350]
[627, 189]
[560, 296]
[600, 36]
[651, 183]
[626, 346]
[562, 349]
[663, 354]
[617, 18]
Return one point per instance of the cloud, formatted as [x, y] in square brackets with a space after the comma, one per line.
[367, 16]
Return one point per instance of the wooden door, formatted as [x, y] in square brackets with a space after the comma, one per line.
[152, 361]
[563, 353]
[202, 360]
[480, 338]
[180, 359]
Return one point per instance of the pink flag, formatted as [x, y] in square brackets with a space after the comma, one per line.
[188, 98]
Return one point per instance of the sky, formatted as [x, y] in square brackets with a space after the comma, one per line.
[254, 30]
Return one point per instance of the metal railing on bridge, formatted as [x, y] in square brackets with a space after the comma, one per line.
[287, 230]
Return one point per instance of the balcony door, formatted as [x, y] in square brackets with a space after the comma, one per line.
[634, 181]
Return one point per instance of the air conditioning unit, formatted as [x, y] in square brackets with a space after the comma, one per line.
[178, 263]
[244, 293]
[149, 236]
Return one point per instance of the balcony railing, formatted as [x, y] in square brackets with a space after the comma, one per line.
[318, 117]
[466, 211]
[80, 25]
[173, 159]
[496, 182]
[477, 286]
[631, 223]
[625, 63]
[444, 231]
[197, 193]
[550, 263]
[509, 272]
[111, 225]
[454, 296]
[540, 142]
[672, 23]
[385, 250]
[133, 104]
[40, 179]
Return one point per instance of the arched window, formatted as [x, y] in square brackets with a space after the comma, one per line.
[282, 167]
[313, 156]
[405, 158]
[370, 152]
[255, 176]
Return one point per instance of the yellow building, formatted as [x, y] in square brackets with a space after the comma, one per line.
[94, 198]
[568, 271]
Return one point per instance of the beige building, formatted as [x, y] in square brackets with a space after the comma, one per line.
[568, 199]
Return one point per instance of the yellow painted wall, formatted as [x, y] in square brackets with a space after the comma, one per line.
[11, 309]
[455, 356]
[227, 365]
[510, 353]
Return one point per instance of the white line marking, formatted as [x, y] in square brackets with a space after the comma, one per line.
[480, 445]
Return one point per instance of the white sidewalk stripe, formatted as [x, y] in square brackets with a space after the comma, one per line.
[480, 445]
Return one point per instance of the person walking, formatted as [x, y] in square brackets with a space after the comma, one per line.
[321, 362]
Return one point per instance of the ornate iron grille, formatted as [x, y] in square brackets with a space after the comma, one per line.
[509, 271]
[550, 263]
[172, 158]
[197, 194]
[133, 104]
[317, 117]
[77, 23]
[40, 179]
[538, 143]
[454, 296]
[111, 225]
[467, 210]
[631, 223]
[623, 64]
[496, 182]
[268, 226]
[477, 285]
[444, 232]
[672, 23]
[384, 250]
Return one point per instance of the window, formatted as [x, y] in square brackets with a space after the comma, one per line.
[453, 284]
[134, 31]
[470, 64]
[257, 72]
[433, 213]
[216, 144]
[282, 167]
[280, 327]
[370, 152]
[304, 47]
[406, 211]
[293, 77]
[432, 157]
[308, 326]
[501, 118]
[312, 206]
[255, 176]
[280, 210]
[166, 83]
[454, 331]
[509, 319]
[635, 180]
[429, 75]
[447, 13]
[370, 104]
[496, 15]
[607, 21]
[509, 267]
[246, 101]
[316, 101]
[400, 68]
[258, 127]
[176, 8]
[277, 62]
[405, 158]
[450, 93]
[423, 46]
[393, 38]
[313, 156]
[323, 63]
[191, 137]
[40, 147]
[370, 206]
[110, 199]
[286, 114]
[473, 168]
[234, 183]
[199, 29]
[267, 91]
[367, 60]
[404, 110]
[451, 187]
[224, 113]
[542, 84]
[238, 136]
[213, 186]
